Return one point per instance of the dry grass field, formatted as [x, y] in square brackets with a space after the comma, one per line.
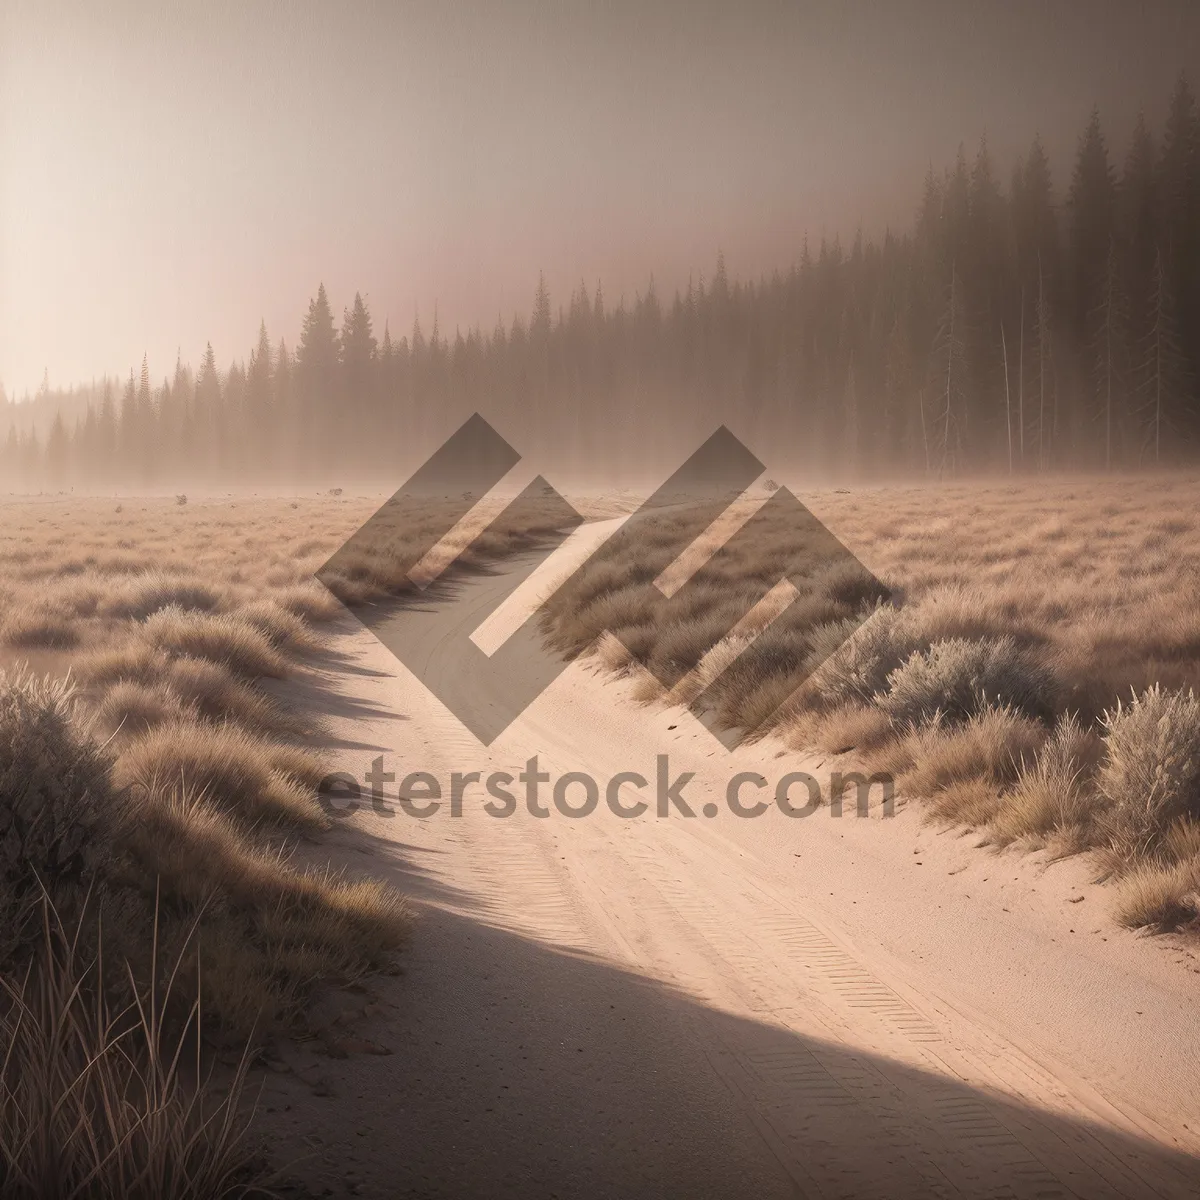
[155, 794]
[1027, 669]
[157, 622]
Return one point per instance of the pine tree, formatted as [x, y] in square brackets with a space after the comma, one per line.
[1091, 205]
[1163, 369]
[1047, 392]
[1110, 328]
[950, 375]
[539, 322]
[1179, 184]
[57, 450]
[1035, 222]
[1138, 221]
[106, 436]
[208, 415]
[985, 282]
[10, 459]
[990, 334]
[259, 416]
[178, 419]
[316, 379]
[284, 435]
[234, 456]
[359, 388]
[129, 435]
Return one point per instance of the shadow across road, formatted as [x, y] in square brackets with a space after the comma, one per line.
[524, 1069]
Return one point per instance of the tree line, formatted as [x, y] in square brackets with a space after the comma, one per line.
[1022, 326]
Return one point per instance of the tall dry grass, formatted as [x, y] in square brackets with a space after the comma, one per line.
[112, 1101]
[152, 785]
[154, 763]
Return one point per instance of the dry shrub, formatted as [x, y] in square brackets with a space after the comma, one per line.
[1150, 777]
[955, 610]
[78, 597]
[612, 653]
[749, 690]
[970, 802]
[680, 647]
[54, 791]
[759, 709]
[1054, 797]
[620, 610]
[638, 641]
[190, 685]
[857, 669]
[304, 766]
[350, 591]
[1041, 602]
[226, 639]
[710, 668]
[93, 1098]
[197, 808]
[598, 580]
[1181, 841]
[957, 678]
[851, 584]
[252, 779]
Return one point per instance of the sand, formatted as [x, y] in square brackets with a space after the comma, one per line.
[713, 1006]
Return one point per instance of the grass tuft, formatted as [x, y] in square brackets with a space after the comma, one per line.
[991, 746]
[252, 779]
[140, 596]
[1159, 896]
[129, 707]
[1054, 797]
[40, 629]
[226, 639]
[96, 1100]
[1150, 776]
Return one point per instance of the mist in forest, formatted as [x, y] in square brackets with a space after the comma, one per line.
[876, 242]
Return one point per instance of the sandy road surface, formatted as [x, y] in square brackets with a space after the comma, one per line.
[717, 1006]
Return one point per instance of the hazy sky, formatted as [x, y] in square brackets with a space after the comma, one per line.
[170, 174]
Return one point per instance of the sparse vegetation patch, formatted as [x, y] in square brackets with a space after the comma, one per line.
[1031, 672]
[151, 797]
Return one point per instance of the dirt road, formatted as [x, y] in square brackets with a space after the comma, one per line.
[715, 1006]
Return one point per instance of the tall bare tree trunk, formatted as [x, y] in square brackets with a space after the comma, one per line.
[1042, 335]
[1007, 398]
[924, 432]
[1021, 382]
